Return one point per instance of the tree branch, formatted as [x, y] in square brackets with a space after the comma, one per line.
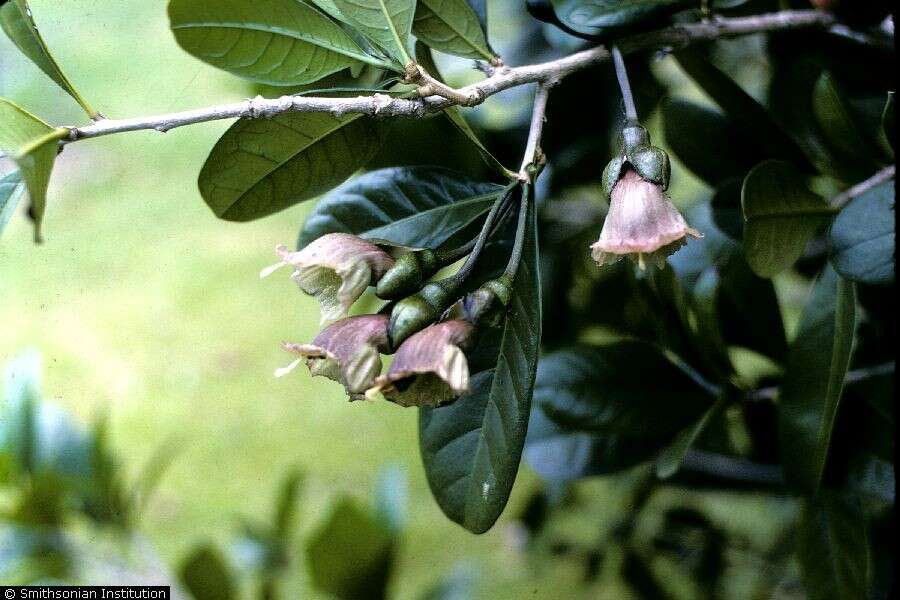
[863, 186]
[503, 78]
[533, 152]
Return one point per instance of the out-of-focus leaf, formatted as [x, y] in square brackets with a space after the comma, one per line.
[726, 208]
[613, 17]
[458, 585]
[286, 505]
[813, 381]
[386, 22]
[261, 166]
[471, 448]
[451, 26]
[390, 498]
[862, 237]
[17, 21]
[350, 554]
[888, 125]
[410, 206]
[278, 42]
[841, 127]
[833, 548]
[669, 460]
[748, 310]
[780, 216]
[746, 113]
[604, 390]
[707, 142]
[32, 145]
[11, 188]
[206, 576]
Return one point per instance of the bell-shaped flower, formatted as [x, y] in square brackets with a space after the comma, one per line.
[430, 367]
[335, 269]
[347, 351]
[642, 223]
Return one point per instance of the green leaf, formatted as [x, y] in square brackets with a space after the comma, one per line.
[286, 506]
[455, 116]
[840, 126]
[17, 22]
[390, 498]
[862, 237]
[692, 131]
[386, 22]
[350, 555]
[11, 188]
[814, 379]
[780, 216]
[420, 207]
[205, 575]
[261, 166]
[278, 42]
[613, 17]
[669, 460]
[753, 120]
[605, 390]
[451, 26]
[32, 145]
[471, 448]
[833, 549]
[331, 9]
[888, 126]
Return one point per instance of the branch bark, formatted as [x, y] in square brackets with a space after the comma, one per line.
[862, 187]
[502, 78]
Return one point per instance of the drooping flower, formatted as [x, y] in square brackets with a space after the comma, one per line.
[642, 224]
[430, 367]
[347, 351]
[335, 269]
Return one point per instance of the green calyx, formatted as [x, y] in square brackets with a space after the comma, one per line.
[408, 274]
[485, 306]
[418, 311]
[649, 161]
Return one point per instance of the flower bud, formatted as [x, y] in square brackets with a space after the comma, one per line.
[642, 223]
[347, 351]
[335, 269]
[418, 311]
[408, 274]
[430, 368]
[485, 306]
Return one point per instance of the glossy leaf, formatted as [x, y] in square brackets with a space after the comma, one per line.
[32, 145]
[410, 206]
[780, 216]
[261, 166]
[862, 236]
[813, 381]
[833, 549]
[205, 574]
[748, 310]
[669, 460]
[456, 118]
[707, 142]
[471, 448]
[608, 17]
[17, 22]
[840, 125]
[278, 42]
[386, 22]
[604, 390]
[753, 120]
[350, 555]
[451, 26]
[11, 188]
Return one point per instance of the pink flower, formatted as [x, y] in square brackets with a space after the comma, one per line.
[348, 351]
[336, 269]
[642, 224]
[430, 367]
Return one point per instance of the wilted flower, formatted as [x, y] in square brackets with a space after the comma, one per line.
[336, 269]
[348, 351]
[642, 224]
[429, 368]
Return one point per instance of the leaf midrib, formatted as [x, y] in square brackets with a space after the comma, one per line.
[274, 30]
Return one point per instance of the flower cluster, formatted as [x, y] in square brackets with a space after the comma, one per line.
[642, 223]
[429, 366]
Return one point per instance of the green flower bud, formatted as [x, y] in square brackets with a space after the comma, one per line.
[408, 274]
[486, 305]
[416, 312]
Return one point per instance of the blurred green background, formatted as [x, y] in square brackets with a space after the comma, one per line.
[142, 303]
